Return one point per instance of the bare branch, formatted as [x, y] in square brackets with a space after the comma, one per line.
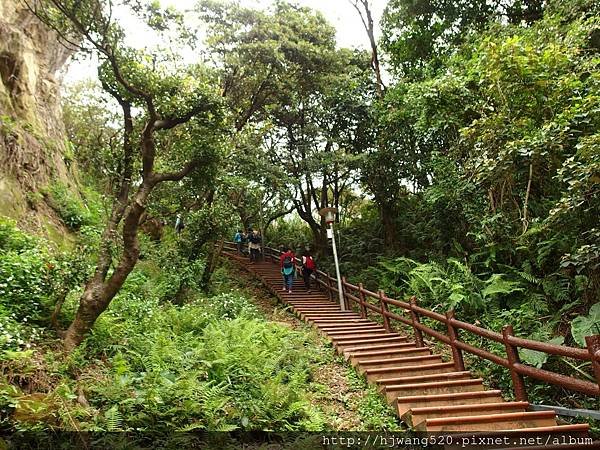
[176, 176]
[172, 122]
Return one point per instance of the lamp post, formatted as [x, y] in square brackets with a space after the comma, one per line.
[329, 215]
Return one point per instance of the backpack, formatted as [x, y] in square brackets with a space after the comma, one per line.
[287, 262]
[310, 263]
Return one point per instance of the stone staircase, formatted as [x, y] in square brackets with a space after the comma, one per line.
[426, 391]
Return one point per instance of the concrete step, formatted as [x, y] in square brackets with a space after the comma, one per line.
[415, 355]
[315, 309]
[341, 346]
[331, 316]
[354, 336]
[491, 422]
[373, 375]
[427, 378]
[460, 398]
[374, 357]
[356, 327]
[415, 416]
[317, 306]
[310, 319]
[357, 349]
[311, 312]
[340, 323]
[312, 300]
[393, 391]
[400, 363]
[358, 333]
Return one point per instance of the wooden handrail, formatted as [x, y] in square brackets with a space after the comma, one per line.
[359, 295]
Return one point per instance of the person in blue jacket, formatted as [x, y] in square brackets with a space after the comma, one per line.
[238, 239]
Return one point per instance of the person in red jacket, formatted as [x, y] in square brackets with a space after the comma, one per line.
[308, 267]
[287, 262]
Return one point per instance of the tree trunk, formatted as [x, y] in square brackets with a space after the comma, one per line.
[321, 246]
[211, 263]
[99, 292]
[389, 229]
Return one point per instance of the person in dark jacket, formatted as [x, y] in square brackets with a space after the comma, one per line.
[255, 241]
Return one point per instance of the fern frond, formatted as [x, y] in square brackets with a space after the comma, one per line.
[530, 278]
[113, 418]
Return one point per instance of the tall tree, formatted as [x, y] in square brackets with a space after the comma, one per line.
[317, 131]
[282, 77]
[418, 34]
[366, 16]
[158, 97]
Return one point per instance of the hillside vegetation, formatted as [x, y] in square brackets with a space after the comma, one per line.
[462, 152]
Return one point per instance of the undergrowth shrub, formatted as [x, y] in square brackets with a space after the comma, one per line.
[25, 283]
[74, 211]
[32, 277]
[195, 367]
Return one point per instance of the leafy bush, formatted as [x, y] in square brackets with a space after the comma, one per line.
[205, 365]
[13, 239]
[32, 277]
[74, 212]
[25, 282]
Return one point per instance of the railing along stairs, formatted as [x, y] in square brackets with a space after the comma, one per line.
[427, 392]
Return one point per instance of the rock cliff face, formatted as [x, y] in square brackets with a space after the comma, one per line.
[33, 150]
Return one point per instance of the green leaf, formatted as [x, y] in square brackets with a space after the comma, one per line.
[497, 285]
[15, 356]
[589, 325]
[535, 358]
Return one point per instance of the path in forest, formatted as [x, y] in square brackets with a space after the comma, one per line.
[426, 392]
[342, 398]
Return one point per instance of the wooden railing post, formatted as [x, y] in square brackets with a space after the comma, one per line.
[513, 358]
[593, 346]
[414, 317]
[361, 296]
[384, 309]
[346, 300]
[329, 287]
[457, 356]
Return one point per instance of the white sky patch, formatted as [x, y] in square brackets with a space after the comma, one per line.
[340, 13]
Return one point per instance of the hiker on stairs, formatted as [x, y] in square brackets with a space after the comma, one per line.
[287, 262]
[308, 267]
[254, 245]
[238, 240]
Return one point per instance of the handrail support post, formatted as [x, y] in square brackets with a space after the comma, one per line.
[347, 304]
[384, 310]
[414, 317]
[513, 358]
[361, 296]
[457, 356]
[593, 346]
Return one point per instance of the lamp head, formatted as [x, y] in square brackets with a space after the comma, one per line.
[328, 214]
